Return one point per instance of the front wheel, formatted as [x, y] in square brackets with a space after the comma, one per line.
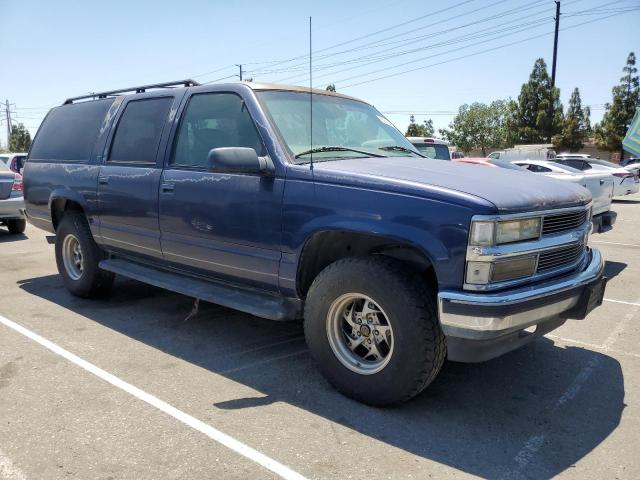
[373, 330]
[77, 257]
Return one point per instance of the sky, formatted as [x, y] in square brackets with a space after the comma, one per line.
[403, 56]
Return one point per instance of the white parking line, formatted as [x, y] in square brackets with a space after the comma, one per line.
[524, 457]
[216, 435]
[8, 471]
[615, 243]
[635, 304]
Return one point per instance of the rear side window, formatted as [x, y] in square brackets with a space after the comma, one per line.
[139, 129]
[214, 120]
[70, 131]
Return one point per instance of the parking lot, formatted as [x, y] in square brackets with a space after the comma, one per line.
[127, 388]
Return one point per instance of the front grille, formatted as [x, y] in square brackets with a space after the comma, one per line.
[559, 257]
[563, 221]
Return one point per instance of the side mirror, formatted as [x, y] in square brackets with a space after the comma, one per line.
[237, 160]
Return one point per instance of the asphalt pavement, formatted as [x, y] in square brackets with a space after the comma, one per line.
[128, 388]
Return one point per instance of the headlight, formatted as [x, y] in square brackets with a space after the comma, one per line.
[517, 230]
[485, 233]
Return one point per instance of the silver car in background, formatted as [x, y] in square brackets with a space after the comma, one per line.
[11, 201]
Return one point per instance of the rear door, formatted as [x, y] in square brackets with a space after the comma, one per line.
[601, 187]
[130, 175]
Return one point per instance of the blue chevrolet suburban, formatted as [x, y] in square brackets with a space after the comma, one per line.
[289, 203]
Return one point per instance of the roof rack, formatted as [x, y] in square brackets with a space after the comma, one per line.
[143, 88]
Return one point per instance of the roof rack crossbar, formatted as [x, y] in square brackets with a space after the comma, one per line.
[141, 89]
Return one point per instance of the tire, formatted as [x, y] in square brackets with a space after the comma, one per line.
[16, 226]
[417, 350]
[83, 279]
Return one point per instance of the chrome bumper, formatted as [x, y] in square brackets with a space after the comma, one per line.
[486, 316]
[12, 207]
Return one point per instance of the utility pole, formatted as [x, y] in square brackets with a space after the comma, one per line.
[8, 114]
[240, 67]
[555, 45]
[553, 66]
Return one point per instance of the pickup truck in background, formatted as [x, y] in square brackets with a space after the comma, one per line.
[599, 183]
[394, 263]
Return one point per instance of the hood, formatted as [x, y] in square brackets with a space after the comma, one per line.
[510, 191]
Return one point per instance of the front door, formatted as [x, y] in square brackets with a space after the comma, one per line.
[220, 224]
[129, 178]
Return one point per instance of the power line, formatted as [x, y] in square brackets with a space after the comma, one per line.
[474, 53]
[431, 14]
[457, 39]
[461, 39]
[406, 41]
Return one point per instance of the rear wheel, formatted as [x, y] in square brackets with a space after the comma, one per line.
[77, 257]
[16, 226]
[372, 328]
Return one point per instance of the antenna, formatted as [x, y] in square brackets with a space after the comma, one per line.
[310, 99]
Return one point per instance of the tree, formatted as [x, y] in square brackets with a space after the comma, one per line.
[480, 126]
[619, 113]
[539, 110]
[331, 87]
[576, 126]
[427, 128]
[420, 130]
[20, 139]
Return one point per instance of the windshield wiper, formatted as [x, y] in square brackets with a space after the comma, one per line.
[337, 149]
[398, 148]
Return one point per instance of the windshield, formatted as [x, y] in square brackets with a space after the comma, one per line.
[433, 150]
[342, 128]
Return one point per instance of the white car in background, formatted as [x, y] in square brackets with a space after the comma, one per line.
[625, 183]
[431, 147]
[15, 161]
[600, 184]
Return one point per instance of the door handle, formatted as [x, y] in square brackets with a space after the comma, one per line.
[167, 187]
[601, 182]
[103, 179]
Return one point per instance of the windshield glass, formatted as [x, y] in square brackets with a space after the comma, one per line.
[433, 150]
[356, 127]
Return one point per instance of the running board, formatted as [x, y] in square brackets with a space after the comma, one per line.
[256, 303]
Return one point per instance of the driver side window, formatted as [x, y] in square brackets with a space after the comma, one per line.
[213, 120]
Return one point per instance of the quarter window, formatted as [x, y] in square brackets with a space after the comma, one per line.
[214, 120]
[139, 129]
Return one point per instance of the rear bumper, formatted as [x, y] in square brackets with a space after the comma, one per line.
[12, 208]
[481, 326]
[603, 222]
